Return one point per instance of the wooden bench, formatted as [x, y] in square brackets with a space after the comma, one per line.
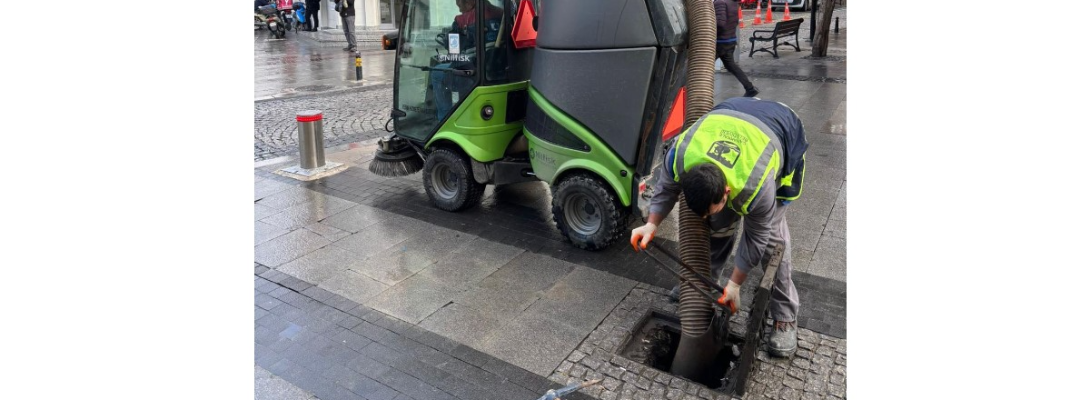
[783, 30]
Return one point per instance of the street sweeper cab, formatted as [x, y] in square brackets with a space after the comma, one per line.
[578, 94]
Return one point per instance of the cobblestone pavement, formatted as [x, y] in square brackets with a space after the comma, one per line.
[350, 116]
[818, 370]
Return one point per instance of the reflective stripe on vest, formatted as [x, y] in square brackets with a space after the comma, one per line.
[742, 146]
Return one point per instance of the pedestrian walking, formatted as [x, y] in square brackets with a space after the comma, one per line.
[347, 9]
[726, 20]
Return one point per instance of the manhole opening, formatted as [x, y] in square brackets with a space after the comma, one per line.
[654, 343]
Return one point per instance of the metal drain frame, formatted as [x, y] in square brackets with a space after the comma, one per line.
[754, 326]
[754, 333]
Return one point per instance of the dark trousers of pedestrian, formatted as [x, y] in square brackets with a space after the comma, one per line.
[312, 20]
[349, 25]
[725, 53]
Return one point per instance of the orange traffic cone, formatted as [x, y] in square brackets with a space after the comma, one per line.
[768, 12]
[757, 20]
[786, 12]
[741, 22]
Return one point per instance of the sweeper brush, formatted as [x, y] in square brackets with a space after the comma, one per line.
[395, 157]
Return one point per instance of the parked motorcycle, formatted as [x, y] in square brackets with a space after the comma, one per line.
[286, 10]
[273, 21]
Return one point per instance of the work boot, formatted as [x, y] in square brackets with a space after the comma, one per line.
[752, 92]
[784, 340]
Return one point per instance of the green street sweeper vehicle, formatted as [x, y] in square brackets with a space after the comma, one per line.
[579, 94]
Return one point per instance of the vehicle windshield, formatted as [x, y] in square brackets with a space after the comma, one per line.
[437, 63]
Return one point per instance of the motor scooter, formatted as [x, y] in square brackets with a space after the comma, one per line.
[285, 10]
[273, 21]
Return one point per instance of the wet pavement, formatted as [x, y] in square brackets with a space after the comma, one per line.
[297, 65]
[363, 290]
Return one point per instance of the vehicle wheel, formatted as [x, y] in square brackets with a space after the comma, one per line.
[587, 212]
[448, 180]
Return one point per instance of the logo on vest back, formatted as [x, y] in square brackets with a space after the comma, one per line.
[725, 152]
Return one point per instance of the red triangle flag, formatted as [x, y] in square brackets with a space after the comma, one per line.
[677, 117]
[524, 35]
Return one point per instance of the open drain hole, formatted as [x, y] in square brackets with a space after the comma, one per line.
[654, 343]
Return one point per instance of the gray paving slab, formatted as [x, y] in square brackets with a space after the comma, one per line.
[353, 286]
[288, 247]
[329, 232]
[827, 148]
[830, 259]
[267, 187]
[382, 235]
[530, 272]
[391, 268]
[804, 216]
[320, 265]
[840, 209]
[261, 211]
[308, 212]
[271, 387]
[463, 324]
[472, 263]
[413, 299]
[356, 218]
[581, 299]
[837, 124]
[499, 301]
[816, 201]
[264, 232]
[533, 343]
[823, 177]
[404, 259]
[288, 197]
[837, 228]
[800, 259]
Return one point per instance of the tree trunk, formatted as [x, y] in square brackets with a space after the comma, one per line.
[821, 37]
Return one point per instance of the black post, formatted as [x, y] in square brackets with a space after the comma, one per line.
[359, 67]
[813, 17]
[836, 28]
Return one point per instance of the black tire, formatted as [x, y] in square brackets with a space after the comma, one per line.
[597, 220]
[448, 180]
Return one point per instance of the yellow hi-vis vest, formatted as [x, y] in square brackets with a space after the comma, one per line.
[738, 144]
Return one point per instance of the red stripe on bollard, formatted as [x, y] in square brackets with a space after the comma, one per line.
[309, 118]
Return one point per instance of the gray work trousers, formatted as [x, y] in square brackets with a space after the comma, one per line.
[349, 26]
[784, 303]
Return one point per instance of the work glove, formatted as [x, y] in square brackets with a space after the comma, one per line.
[642, 236]
[731, 296]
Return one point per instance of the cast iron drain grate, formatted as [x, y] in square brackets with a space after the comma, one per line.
[313, 88]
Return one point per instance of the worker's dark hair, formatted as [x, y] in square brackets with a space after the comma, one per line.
[703, 186]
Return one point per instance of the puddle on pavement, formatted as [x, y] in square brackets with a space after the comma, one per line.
[654, 343]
